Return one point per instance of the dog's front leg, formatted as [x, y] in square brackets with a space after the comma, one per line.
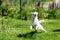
[31, 27]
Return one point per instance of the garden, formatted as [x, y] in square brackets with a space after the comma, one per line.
[15, 19]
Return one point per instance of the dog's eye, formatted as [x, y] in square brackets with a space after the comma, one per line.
[35, 15]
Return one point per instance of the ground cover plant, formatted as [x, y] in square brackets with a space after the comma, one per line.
[19, 30]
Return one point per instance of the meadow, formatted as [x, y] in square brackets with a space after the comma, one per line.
[14, 29]
[15, 18]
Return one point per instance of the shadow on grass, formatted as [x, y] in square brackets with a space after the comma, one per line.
[30, 34]
[57, 30]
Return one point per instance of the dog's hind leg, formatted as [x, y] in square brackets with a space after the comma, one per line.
[41, 27]
[37, 27]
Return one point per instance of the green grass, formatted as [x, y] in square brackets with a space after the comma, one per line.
[13, 27]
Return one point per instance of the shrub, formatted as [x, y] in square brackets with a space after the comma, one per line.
[53, 14]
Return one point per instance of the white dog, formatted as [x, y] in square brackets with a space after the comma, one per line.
[35, 23]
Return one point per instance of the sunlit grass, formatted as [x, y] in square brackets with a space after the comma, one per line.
[15, 27]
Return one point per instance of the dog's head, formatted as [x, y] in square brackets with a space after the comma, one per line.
[34, 14]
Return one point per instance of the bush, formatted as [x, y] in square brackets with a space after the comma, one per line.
[14, 12]
[41, 12]
[53, 14]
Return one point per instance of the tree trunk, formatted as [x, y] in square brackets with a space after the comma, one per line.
[7, 2]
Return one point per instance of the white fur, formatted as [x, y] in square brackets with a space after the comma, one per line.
[35, 23]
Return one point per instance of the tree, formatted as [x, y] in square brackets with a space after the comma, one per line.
[7, 2]
[0, 2]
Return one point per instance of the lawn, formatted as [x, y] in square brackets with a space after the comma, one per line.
[14, 29]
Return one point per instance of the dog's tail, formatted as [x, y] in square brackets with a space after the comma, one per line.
[41, 21]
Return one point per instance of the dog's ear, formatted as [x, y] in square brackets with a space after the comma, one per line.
[32, 13]
[36, 13]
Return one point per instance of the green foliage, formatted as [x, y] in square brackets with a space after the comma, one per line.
[17, 27]
[58, 14]
[41, 13]
[53, 14]
[13, 11]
